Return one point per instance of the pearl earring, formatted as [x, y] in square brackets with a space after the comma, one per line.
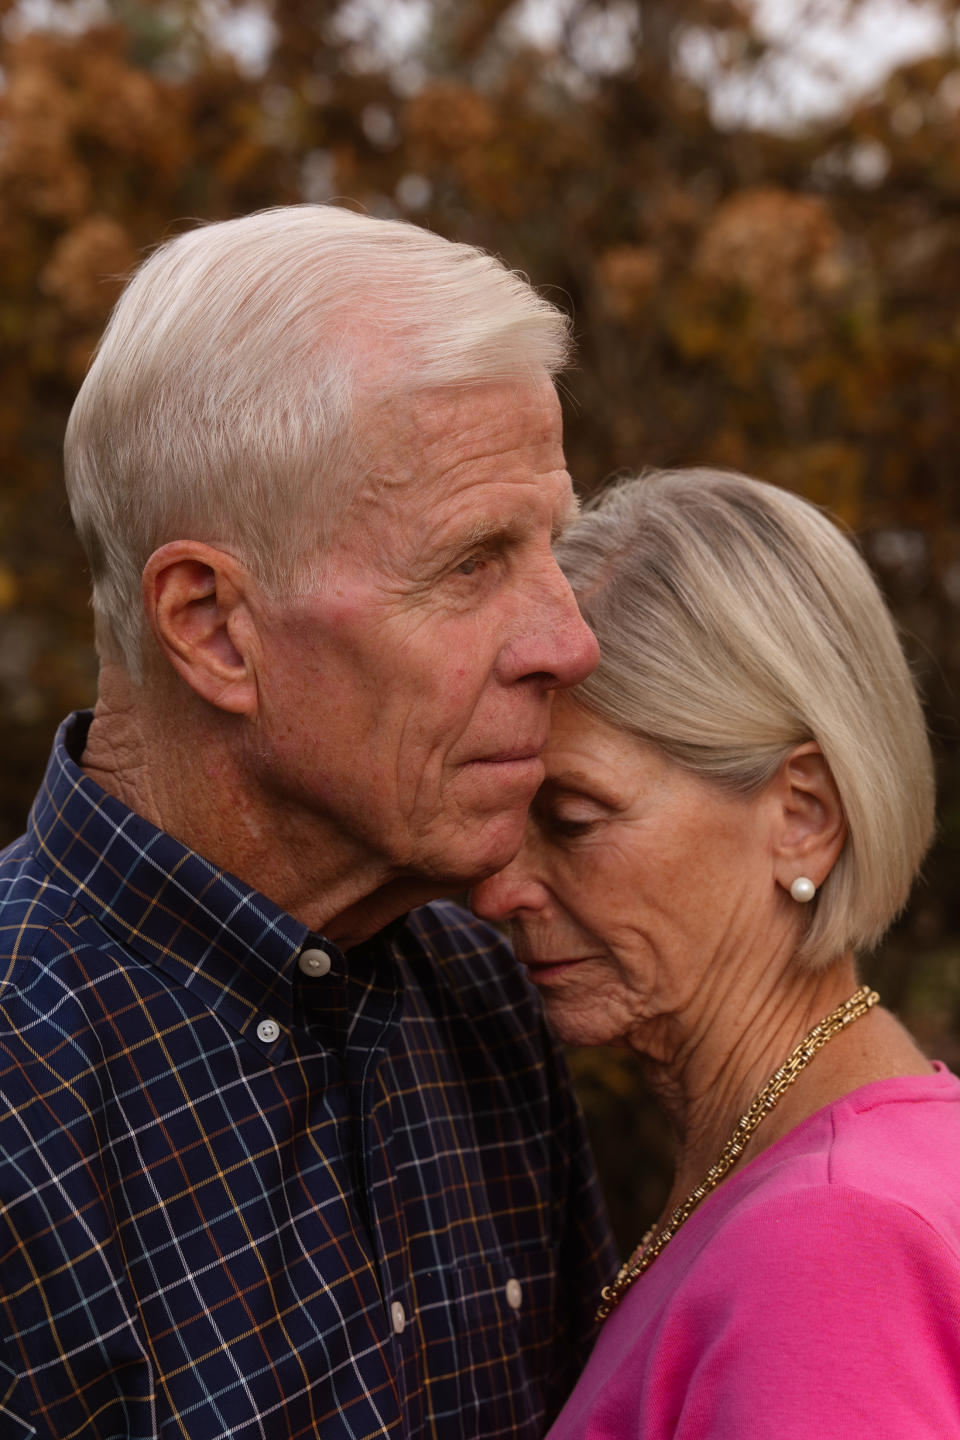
[803, 890]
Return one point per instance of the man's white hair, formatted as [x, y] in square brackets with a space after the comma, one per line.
[227, 399]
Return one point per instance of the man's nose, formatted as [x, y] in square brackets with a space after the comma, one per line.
[555, 642]
[583, 652]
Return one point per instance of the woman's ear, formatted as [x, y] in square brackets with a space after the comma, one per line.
[810, 828]
[196, 601]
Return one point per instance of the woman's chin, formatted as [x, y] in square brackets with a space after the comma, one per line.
[574, 1017]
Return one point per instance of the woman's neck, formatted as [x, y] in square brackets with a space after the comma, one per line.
[708, 1064]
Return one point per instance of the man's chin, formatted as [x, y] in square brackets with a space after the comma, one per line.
[492, 851]
[481, 850]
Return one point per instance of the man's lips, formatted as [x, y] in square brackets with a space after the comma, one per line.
[510, 757]
[516, 749]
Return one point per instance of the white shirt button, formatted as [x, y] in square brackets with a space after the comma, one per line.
[315, 962]
[399, 1317]
[268, 1031]
[514, 1294]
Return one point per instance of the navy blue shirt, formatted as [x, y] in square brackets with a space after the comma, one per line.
[243, 1197]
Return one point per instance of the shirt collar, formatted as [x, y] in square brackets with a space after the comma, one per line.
[197, 923]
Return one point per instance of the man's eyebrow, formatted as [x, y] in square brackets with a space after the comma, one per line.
[481, 532]
[490, 529]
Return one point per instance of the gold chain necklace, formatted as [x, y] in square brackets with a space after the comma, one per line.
[766, 1100]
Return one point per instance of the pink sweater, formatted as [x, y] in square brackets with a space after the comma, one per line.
[815, 1294]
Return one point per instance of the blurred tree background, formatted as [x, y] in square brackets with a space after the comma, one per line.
[753, 287]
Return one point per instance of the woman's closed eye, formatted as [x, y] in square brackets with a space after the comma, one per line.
[571, 829]
[569, 823]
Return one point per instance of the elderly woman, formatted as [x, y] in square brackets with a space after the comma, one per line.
[735, 805]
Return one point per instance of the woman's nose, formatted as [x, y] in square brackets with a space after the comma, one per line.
[503, 895]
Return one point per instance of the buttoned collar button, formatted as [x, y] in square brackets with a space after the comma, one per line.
[315, 963]
[268, 1031]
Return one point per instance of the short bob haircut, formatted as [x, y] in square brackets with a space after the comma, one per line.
[231, 391]
[735, 622]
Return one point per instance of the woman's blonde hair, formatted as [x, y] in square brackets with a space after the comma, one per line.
[735, 622]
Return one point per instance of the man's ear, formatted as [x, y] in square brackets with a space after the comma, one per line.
[810, 828]
[196, 602]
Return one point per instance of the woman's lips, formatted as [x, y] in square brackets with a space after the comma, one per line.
[542, 969]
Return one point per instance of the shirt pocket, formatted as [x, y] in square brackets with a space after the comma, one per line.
[506, 1305]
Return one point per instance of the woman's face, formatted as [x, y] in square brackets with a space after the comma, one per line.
[638, 888]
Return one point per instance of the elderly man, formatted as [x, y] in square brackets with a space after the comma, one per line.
[279, 1158]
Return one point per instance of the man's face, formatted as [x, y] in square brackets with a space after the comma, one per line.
[406, 702]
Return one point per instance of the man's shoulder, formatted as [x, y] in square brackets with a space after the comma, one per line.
[451, 948]
[454, 938]
[450, 929]
[31, 900]
[46, 932]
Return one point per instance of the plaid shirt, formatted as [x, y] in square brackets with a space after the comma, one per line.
[242, 1198]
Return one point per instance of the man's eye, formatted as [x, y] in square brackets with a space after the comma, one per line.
[471, 565]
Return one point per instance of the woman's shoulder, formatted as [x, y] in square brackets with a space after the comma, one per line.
[885, 1157]
[790, 1293]
[897, 1139]
[866, 1191]
[792, 1296]
[913, 1119]
[880, 1166]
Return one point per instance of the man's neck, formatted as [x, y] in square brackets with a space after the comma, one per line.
[180, 764]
